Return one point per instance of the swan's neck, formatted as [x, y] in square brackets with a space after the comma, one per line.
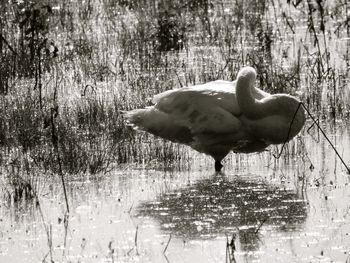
[249, 106]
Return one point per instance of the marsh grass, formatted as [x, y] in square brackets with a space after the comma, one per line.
[73, 68]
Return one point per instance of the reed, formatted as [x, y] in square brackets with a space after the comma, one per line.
[73, 68]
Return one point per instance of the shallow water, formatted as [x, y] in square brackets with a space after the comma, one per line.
[295, 209]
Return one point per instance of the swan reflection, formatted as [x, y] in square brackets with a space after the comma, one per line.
[219, 206]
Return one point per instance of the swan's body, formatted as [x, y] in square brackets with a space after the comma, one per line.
[221, 116]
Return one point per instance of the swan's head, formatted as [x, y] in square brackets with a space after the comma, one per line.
[247, 75]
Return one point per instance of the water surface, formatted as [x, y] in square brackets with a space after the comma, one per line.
[294, 209]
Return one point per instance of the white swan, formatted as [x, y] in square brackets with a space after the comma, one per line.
[221, 116]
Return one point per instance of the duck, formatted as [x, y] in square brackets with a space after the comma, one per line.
[221, 116]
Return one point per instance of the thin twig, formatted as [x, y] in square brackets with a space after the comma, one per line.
[54, 138]
[178, 78]
[227, 250]
[136, 233]
[132, 205]
[85, 89]
[135, 243]
[167, 244]
[8, 44]
[65, 224]
[48, 229]
[318, 132]
[289, 130]
[324, 134]
[166, 258]
[230, 249]
[260, 225]
[319, 128]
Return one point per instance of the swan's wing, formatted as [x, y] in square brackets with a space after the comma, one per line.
[159, 123]
[213, 93]
[211, 107]
[201, 116]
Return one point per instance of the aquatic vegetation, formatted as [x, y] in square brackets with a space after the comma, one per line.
[68, 70]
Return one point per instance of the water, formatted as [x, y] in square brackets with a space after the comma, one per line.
[295, 209]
